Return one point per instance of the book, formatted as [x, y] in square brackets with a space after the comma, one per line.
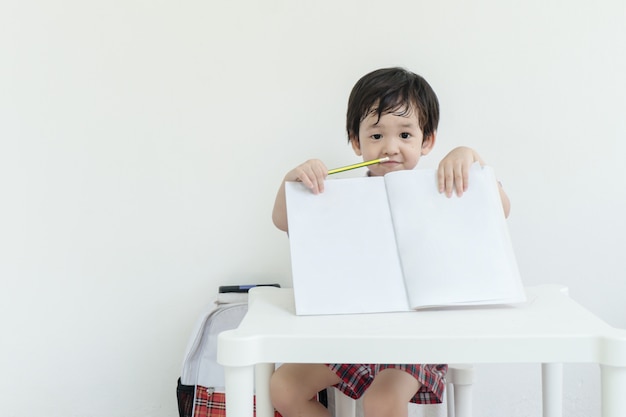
[394, 243]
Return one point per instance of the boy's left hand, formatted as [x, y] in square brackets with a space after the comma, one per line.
[453, 171]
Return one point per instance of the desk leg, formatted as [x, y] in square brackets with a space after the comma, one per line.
[262, 374]
[239, 381]
[613, 391]
[552, 389]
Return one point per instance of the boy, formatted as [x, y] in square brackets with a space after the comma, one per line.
[392, 113]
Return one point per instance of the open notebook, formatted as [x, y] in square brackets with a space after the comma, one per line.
[394, 243]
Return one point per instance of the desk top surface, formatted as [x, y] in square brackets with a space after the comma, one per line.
[549, 327]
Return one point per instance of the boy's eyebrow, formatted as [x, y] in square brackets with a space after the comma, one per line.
[406, 125]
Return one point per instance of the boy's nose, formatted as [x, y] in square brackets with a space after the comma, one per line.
[390, 147]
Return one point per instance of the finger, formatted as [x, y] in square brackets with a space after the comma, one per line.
[320, 176]
[317, 182]
[316, 174]
[316, 187]
[305, 177]
[460, 180]
[441, 178]
[449, 181]
[466, 169]
[445, 178]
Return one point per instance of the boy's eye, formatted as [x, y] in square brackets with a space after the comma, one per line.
[405, 135]
[377, 136]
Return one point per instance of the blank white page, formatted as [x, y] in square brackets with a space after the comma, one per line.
[453, 250]
[343, 251]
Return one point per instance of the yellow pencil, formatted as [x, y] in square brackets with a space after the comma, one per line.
[359, 165]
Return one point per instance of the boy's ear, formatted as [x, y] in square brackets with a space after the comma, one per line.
[356, 145]
[428, 142]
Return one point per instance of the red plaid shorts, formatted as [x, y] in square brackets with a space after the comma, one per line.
[356, 378]
[208, 404]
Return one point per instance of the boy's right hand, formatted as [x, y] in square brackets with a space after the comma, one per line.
[312, 174]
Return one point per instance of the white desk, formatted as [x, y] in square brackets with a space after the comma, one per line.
[550, 329]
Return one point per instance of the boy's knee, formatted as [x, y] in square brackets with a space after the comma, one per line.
[380, 404]
[279, 391]
[285, 391]
[375, 405]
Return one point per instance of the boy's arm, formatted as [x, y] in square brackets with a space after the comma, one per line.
[312, 174]
[453, 174]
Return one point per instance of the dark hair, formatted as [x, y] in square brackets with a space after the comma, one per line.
[390, 90]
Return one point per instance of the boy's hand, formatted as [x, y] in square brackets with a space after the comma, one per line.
[453, 171]
[312, 174]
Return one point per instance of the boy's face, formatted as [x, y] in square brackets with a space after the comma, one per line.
[396, 136]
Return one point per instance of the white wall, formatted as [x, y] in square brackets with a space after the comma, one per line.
[141, 144]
